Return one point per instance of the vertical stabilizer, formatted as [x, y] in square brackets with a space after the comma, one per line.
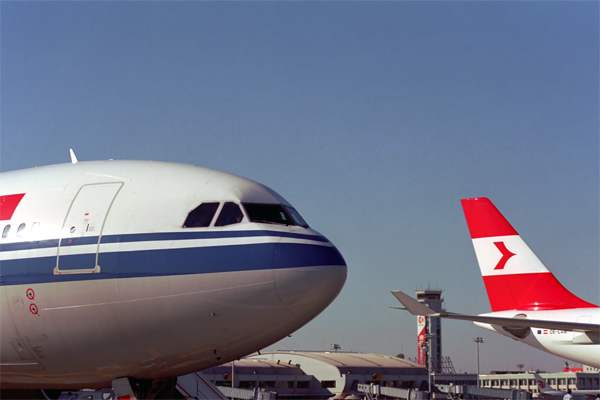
[514, 277]
[542, 385]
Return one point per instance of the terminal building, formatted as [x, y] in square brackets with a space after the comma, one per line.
[580, 380]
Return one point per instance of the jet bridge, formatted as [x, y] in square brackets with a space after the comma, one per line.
[193, 386]
[475, 391]
[197, 386]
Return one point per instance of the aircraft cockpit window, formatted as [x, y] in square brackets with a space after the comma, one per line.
[268, 213]
[5, 231]
[201, 216]
[230, 214]
[296, 216]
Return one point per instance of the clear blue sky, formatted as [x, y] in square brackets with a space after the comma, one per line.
[373, 119]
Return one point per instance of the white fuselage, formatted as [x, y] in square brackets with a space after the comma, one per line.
[577, 346]
[104, 281]
[575, 394]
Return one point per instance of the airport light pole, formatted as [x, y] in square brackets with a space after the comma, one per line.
[427, 346]
[426, 351]
[478, 340]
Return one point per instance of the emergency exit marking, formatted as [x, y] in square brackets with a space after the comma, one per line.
[30, 294]
[33, 308]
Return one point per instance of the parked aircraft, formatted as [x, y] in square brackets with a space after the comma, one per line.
[529, 304]
[149, 270]
[545, 391]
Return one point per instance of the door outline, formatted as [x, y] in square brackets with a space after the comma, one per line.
[109, 190]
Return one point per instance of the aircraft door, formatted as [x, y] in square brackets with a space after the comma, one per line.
[82, 229]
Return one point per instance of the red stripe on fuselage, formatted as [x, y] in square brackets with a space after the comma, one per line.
[484, 219]
[8, 205]
[537, 291]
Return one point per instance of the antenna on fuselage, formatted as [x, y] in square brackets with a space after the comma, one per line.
[73, 158]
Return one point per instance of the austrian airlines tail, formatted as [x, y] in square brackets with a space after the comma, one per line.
[529, 304]
[514, 276]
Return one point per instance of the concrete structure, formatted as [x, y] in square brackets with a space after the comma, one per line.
[557, 380]
[429, 330]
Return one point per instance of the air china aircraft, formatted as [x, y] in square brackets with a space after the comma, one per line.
[529, 304]
[545, 391]
[149, 270]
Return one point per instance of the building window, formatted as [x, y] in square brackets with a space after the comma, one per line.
[327, 384]
[246, 384]
[267, 385]
[303, 385]
[285, 384]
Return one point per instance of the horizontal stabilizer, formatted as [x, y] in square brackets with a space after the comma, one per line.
[417, 308]
[413, 306]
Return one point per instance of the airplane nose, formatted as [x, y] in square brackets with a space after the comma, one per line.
[308, 278]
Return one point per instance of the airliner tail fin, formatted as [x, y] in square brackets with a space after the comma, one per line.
[514, 277]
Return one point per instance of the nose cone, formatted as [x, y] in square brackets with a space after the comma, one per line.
[308, 277]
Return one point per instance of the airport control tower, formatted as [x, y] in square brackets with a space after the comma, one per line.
[428, 326]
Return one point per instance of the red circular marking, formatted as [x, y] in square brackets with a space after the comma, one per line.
[30, 294]
[33, 308]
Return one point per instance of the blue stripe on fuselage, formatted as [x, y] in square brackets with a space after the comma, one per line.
[165, 262]
[151, 237]
[146, 237]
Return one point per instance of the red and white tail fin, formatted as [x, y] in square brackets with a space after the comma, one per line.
[514, 277]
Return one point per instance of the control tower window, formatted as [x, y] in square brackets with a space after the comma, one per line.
[230, 214]
[201, 216]
[268, 213]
